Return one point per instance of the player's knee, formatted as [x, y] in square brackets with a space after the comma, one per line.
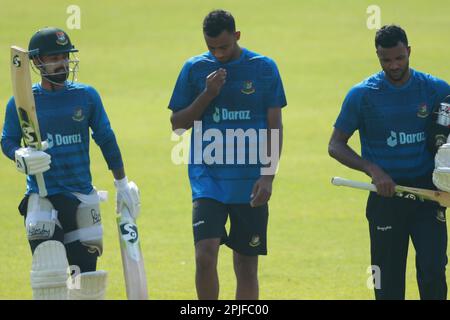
[41, 219]
[80, 256]
[205, 260]
[246, 267]
[206, 252]
[431, 274]
[89, 230]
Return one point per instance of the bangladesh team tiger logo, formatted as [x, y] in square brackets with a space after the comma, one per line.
[440, 215]
[255, 241]
[78, 115]
[248, 88]
[423, 111]
[61, 38]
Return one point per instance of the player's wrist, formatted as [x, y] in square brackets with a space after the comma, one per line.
[209, 94]
[268, 177]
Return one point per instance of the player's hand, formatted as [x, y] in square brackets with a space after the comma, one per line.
[215, 81]
[262, 190]
[127, 195]
[31, 161]
[384, 183]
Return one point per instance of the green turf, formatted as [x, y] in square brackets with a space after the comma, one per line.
[132, 52]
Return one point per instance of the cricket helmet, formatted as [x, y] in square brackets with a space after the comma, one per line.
[50, 41]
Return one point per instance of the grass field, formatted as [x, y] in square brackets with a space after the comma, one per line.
[132, 52]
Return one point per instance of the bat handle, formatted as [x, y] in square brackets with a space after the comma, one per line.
[41, 185]
[337, 181]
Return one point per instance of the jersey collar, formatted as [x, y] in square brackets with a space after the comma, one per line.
[405, 86]
[52, 93]
[239, 60]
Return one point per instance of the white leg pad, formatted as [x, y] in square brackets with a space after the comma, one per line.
[89, 286]
[49, 271]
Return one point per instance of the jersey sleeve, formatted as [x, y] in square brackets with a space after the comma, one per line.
[275, 96]
[11, 133]
[348, 120]
[102, 132]
[184, 92]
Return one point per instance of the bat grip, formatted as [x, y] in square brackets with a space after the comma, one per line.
[337, 181]
[41, 185]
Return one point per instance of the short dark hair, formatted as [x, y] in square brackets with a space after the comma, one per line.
[218, 21]
[389, 36]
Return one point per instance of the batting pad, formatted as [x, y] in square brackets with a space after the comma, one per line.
[49, 271]
[442, 158]
[89, 286]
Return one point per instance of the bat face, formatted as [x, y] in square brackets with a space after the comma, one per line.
[29, 133]
[442, 197]
[405, 192]
[25, 105]
[432, 195]
[132, 260]
[130, 237]
[23, 97]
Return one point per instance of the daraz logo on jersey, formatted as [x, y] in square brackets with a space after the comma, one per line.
[223, 114]
[62, 140]
[404, 138]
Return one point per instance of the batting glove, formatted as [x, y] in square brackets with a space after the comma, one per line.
[31, 161]
[127, 195]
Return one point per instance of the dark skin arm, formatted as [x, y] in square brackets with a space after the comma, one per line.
[184, 119]
[339, 149]
[262, 190]
[119, 173]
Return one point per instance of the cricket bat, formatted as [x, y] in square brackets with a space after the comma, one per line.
[132, 260]
[25, 105]
[443, 198]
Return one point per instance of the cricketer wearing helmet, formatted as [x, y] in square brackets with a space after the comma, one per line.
[65, 228]
[226, 90]
[393, 112]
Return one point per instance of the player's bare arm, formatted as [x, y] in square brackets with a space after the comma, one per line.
[119, 173]
[339, 149]
[184, 119]
[262, 189]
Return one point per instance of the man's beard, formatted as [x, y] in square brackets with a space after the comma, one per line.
[397, 75]
[60, 76]
[400, 75]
